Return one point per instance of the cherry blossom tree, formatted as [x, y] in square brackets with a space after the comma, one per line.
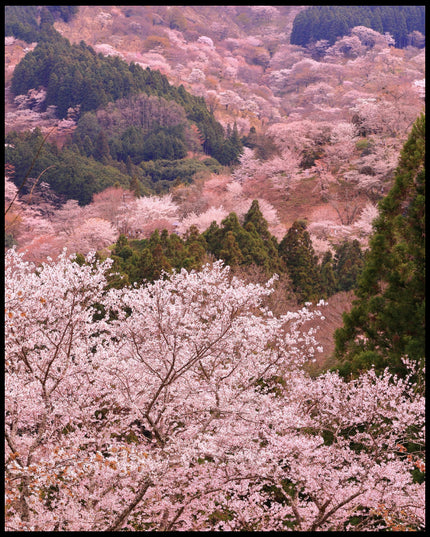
[13, 209]
[365, 220]
[111, 204]
[68, 217]
[206, 41]
[184, 405]
[370, 38]
[196, 76]
[295, 135]
[32, 225]
[202, 220]
[148, 213]
[286, 56]
[92, 234]
[347, 47]
[374, 170]
[41, 246]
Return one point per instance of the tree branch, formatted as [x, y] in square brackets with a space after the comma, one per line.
[122, 516]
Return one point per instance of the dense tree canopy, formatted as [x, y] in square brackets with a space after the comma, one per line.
[248, 245]
[74, 75]
[68, 173]
[22, 21]
[183, 405]
[168, 382]
[302, 263]
[331, 22]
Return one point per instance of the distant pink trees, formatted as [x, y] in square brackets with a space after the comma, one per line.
[91, 234]
[112, 204]
[146, 214]
[202, 220]
[370, 38]
[69, 216]
[12, 207]
[188, 409]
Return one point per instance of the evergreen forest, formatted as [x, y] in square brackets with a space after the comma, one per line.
[241, 245]
[387, 320]
[75, 76]
[331, 22]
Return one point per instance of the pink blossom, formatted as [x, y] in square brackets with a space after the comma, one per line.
[186, 399]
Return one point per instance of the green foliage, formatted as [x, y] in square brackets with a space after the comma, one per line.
[237, 245]
[161, 143]
[98, 157]
[247, 244]
[302, 264]
[22, 21]
[255, 216]
[91, 161]
[230, 149]
[230, 250]
[75, 75]
[387, 319]
[146, 259]
[332, 22]
[165, 174]
[341, 272]
[329, 281]
[67, 172]
[348, 263]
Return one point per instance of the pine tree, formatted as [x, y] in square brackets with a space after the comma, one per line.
[213, 237]
[255, 216]
[387, 319]
[230, 251]
[329, 282]
[348, 263]
[302, 264]
[236, 143]
[101, 149]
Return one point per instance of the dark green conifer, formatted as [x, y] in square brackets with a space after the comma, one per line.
[255, 216]
[230, 251]
[348, 263]
[329, 282]
[213, 237]
[101, 149]
[302, 264]
[387, 319]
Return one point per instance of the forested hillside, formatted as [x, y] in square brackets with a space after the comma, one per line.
[199, 115]
[215, 268]
[73, 76]
[406, 24]
[191, 391]
[317, 145]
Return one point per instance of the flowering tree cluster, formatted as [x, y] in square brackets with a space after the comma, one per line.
[183, 405]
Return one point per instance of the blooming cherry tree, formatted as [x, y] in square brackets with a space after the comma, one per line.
[184, 405]
[203, 220]
[146, 214]
[92, 234]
